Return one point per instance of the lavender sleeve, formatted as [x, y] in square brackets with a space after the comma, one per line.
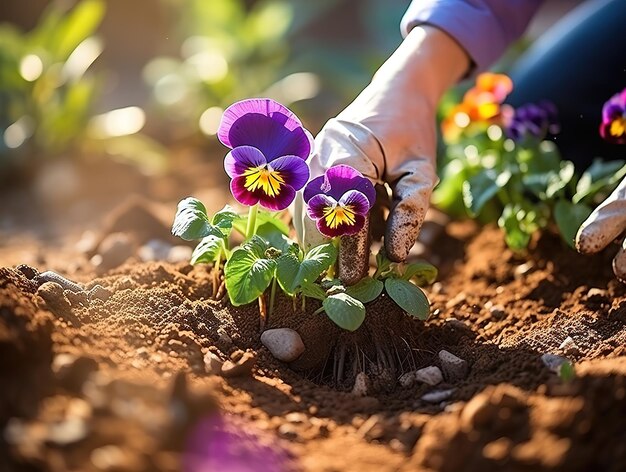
[484, 28]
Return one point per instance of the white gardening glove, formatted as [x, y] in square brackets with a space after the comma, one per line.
[605, 224]
[388, 132]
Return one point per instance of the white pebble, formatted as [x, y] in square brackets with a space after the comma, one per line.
[285, 344]
[437, 396]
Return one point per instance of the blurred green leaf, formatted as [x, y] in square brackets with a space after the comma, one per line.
[568, 217]
[79, 24]
[408, 297]
[600, 176]
[480, 188]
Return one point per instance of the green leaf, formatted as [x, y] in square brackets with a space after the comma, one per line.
[383, 264]
[248, 272]
[291, 272]
[79, 24]
[408, 297]
[191, 221]
[514, 234]
[313, 290]
[207, 250]
[569, 216]
[600, 177]
[422, 273]
[566, 371]
[482, 187]
[365, 290]
[345, 311]
[224, 219]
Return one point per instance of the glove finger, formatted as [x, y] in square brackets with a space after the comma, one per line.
[343, 142]
[411, 198]
[604, 224]
[619, 263]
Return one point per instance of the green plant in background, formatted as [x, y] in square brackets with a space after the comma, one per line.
[229, 52]
[48, 92]
[499, 166]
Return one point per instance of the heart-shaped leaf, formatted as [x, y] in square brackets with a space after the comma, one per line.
[569, 216]
[207, 250]
[365, 290]
[422, 273]
[345, 311]
[248, 272]
[408, 297]
[191, 221]
[292, 272]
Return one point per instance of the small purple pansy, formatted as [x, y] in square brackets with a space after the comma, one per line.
[533, 120]
[269, 148]
[339, 201]
[613, 126]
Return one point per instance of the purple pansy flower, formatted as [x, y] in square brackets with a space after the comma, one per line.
[267, 163]
[533, 120]
[613, 127]
[339, 201]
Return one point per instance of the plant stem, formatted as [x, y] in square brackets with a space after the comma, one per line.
[251, 227]
[272, 297]
[319, 310]
[330, 273]
[303, 303]
[216, 273]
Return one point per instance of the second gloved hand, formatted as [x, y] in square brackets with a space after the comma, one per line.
[388, 132]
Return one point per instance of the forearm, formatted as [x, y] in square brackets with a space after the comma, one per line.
[485, 28]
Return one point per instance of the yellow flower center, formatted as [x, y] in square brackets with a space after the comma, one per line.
[269, 181]
[618, 127]
[339, 215]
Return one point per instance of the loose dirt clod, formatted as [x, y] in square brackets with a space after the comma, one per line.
[212, 363]
[239, 368]
[361, 385]
[54, 298]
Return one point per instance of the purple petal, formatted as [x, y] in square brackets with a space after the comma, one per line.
[242, 194]
[611, 110]
[242, 158]
[280, 201]
[318, 204]
[356, 201]
[293, 170]
[266, 125]
[341, 230]
[338, 180]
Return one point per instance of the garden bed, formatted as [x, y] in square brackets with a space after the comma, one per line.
[115, 397]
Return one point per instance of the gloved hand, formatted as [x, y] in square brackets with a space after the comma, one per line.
[388, 132]
[605, 224]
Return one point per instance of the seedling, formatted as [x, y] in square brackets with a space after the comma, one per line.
[267, 166]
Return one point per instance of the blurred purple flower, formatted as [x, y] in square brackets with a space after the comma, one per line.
[222, 443]
[613, 126]
[339, 201]
[269, 149]
[532, 121]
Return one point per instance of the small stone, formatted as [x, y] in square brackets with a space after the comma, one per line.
[287, 431]
[497, 311]
[430, 375]
[569, 347]
[285, 344]
[154, 250]
[361, 384]
[596, 292]
[408, 379]
[437, 396]
[242, 367]
[523, 269]
[77, 299]
[212, 363]
[100, 293]
[87, 242]
[456, 300]
[178, 254]
[224, 337]
[454, 367]
[478, 412]
[553, 362]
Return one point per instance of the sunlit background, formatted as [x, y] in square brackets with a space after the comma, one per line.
[100, 100]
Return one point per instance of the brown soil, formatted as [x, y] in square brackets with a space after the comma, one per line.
[119, 383]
